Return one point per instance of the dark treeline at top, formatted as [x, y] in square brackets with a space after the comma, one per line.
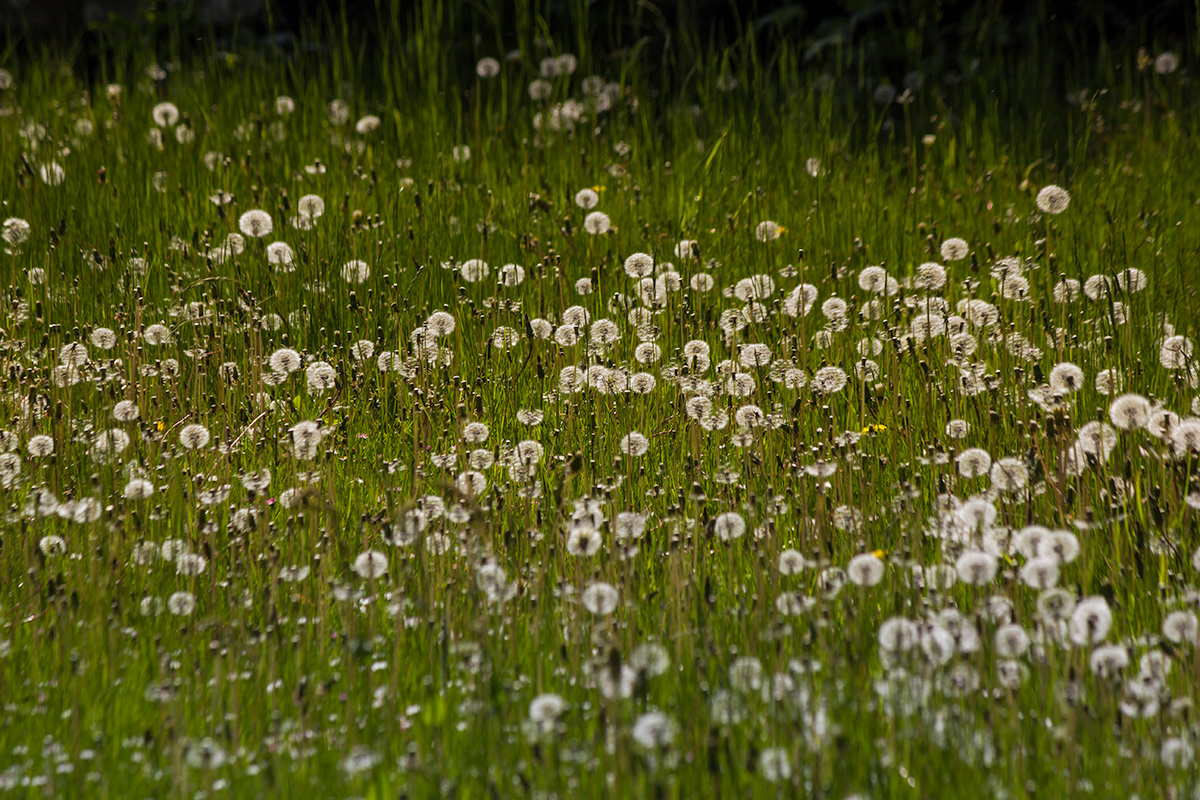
[891, 35]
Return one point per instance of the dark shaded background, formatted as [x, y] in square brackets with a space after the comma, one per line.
[895, 28]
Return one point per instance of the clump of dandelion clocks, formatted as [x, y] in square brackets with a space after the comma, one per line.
[1185, 436]
[256, 223]
[545, 710]
[768, 230]
[629, 525]
[370, 564]
[687, 248]
[1097, 287]
[52, 545]
[156, 334]
[73, 354]
[583, 539]
[1067, 290]
[194, 436]
[1053, 199]
[475, 432]
[1131, 280]
[954, 249]
[1097, 438]
[1055, 604]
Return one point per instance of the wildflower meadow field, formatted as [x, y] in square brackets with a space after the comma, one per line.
[530, 417]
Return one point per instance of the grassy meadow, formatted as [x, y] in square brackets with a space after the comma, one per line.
[546, 419]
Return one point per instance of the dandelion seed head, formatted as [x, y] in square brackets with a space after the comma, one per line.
[194, 436]
[954, 249]
[255, 223]
[1053, 199]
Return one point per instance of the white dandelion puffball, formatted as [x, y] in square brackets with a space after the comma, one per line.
[954, 249]
[639, 265]
[14, 230]
[310, 206]
[474, 270]
[370, 564]
[597, 223]
[440, 323]
[1053, 199]
[768, 230]
[865, 570]
[256, 223]
[587, 199]
[487, 68]
[165, 115]
[600, 598]
[280, 254]
[729, 525]
[355, 271]
[194, 437]
[52, 174]
[634, 444]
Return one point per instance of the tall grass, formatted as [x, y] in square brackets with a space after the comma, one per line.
[418, 682]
